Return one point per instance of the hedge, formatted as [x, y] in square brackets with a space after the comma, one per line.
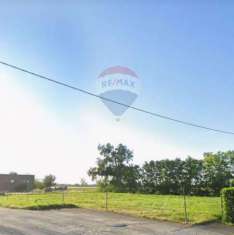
[227, 196]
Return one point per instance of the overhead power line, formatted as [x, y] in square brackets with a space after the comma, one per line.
[115, 101]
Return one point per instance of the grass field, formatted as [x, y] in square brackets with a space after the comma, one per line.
[200, 209]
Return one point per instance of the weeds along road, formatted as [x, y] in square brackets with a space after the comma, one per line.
[90, 222]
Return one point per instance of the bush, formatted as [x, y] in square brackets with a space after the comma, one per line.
[227, 195]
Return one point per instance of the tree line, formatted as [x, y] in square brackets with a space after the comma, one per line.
[115, 171]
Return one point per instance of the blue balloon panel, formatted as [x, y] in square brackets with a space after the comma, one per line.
[121, 96]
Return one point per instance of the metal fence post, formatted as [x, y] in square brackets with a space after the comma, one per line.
[185, 209]
[106, 199]
[63, 200]
[221, 198]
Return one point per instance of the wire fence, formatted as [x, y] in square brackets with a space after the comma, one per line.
[187, 209]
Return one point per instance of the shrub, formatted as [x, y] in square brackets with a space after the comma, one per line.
[227, 195]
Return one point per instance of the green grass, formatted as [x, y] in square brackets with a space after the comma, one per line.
[163, 207]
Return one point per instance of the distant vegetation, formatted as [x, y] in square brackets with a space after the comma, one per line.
[115, 171]
[152, 190]
[47, 183]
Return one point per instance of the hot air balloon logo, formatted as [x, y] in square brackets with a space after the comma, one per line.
[120, 84]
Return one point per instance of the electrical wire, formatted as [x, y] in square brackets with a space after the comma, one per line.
[115, 101]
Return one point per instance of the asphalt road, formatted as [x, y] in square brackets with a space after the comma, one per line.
[89, 222]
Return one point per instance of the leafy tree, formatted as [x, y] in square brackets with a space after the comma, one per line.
[49, 181]
[192, 176]
[115, 170]
[217, 171]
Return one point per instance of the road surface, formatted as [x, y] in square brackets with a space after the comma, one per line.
[90, 222]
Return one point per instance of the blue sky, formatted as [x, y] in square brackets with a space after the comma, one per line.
[182, 52]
